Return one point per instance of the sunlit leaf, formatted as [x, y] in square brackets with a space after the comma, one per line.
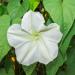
[33, 4]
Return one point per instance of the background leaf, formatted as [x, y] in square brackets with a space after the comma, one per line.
[3, 72]
[29, 69]
[1, 9]
[4, 24]
[16, 9]
[67, 39]
[33, 4]
[53, 66]
[69, 66]
[62, 12]
[13, 7]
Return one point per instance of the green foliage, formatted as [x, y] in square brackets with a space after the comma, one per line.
[8, 68]
[69, 66]
[71, 59]
[29, 69]
[62, 12]
[15, 9]
[4, 24]
[3, 72]
[52, 67]
[67, 39]
[1, 9]
[30, 4]
[33, 4]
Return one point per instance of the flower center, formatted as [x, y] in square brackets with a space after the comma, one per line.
[35, 35]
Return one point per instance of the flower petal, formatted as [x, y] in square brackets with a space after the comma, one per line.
[27, 54]
[16, 37]
[52, 32]
[42, 51]
[32, 21]
[48, 51]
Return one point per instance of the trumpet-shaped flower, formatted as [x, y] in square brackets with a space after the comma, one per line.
[33, 41]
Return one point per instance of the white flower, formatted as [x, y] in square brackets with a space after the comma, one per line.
[33, 41]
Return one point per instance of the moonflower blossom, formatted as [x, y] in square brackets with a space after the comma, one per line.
[33, 41]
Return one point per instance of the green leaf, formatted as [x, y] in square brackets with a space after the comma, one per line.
[17, 10]
[69, 66]
[16, 20]
[29, 69]
[33, 4]
[1, 9]
[3, 71]
[53, 66]
[71, 59]
[67, 39]
[62, 12]
[4, 24]
[55, 10]
[7, 67]
[13, 6]
[25, 4]
[20, 12]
